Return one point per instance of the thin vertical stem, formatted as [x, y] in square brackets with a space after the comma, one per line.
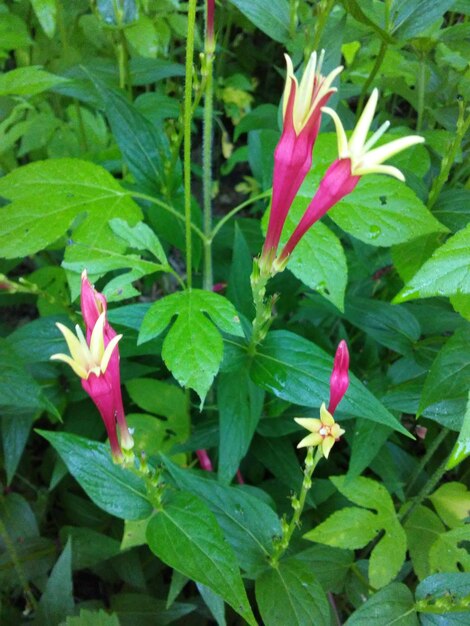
[426, 458]
[208, 280]
[420, 87]
[188, 90]
[372, 75]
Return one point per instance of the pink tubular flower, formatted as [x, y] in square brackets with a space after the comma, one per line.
[356, 158]
[324, 431]
[95, 359]
[302, 106]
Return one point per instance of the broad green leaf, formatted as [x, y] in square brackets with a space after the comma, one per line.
[111, 487]
[28, 81]
[143, 37]
[193, 348]
[290, 594]
[57, 600]
[46, 12]
[145, 71]
[296, 370]
[367, 443]
[453, 208]
[422, 529]
[239, 288]
[92, 618]
[442, 600]
[350, 528]
[412, 18]
[392, 326]
[47, 196]
[13, 32]
[445, 273]
[446, 555]
[240, 405]
[449, 376]
[409, 257]
[15, 426]
[461, 449]
[272, 18]
[452, 503]
[185, 535]
[392, 605]
[248, 523]
[354, 8]
[330, 565]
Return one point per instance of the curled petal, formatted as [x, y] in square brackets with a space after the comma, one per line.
[314, 439]
[313, 424]
[326, 446]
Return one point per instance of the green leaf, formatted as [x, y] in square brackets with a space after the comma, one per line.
[331, 565]
[392, 605]
[272, 18]
[296, 370]
[445, 273]
[140, 237]
[350, 528]
[422, 529]
[239, 288]
[13, 32]
[392, 326]
[449, 376]
[193, 348]
[57, 599]
[145, 610]
[185, 535]
[412, 18]
[452, 503]
[453, 208]
[46, 12]
[445, 554]
[443, 600]
[290, 594]
[214, 603]
[409, 257]
[93, 618]
[28, 81]
[461, 449]
[249, 524]
[367, 443]
[111, 487]
[15, 426]
[240, 405]
[88, 546]
[47, 196]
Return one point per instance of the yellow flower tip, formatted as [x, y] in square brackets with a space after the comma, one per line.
[324, 432]
[84, 274]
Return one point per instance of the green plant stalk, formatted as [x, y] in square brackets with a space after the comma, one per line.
[426, 458]
[372, 75]
[323, 11]
[462, 127]
[123, 61]
[421, 88]
[293, 8]
[208, 64]
[188, 89]
[311, 461]
[263, 307]
[10, 547]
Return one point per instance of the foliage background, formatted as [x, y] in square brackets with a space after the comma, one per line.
[90, 155]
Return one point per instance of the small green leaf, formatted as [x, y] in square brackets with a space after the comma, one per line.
[290, 594]
[57, 600]
[445, 273]
[461, 449]
[28, 81]
[185, 535]
[111, 487]
[140, 237]
[422, 529]
[350, 528]
[331, 565]
[193, 348]
[392, 605]
[46, 12]
[92, 618]
[452, 503]
[445, 554]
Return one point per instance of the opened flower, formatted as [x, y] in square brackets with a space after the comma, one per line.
[302, 108]
[324, 431]
[95, 359]
[356, 158]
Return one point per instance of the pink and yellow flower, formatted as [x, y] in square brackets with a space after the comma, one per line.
[95, 359]
[302, 107]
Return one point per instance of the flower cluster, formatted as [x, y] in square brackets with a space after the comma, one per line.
[324, 432]
[95, 359]
[303, 106]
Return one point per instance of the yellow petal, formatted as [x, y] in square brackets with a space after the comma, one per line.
[382, 153]
[343, 149]
[97, 339]
[290, 78]
[75, 365]
[108, 352]
[304, 95]
[74, 345]
[326, 446]
[359, 134]
[336, 431]
[310, 440]
[361, 169]
[312, 424]
[325, 416]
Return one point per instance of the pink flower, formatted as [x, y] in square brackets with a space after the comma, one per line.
[210, 10]
[95, 359]
[293, 155]
[324, 431]
[355, 159]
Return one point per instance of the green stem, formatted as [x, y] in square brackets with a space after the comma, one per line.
[426, 458]
[236, 210]
[263, 307]
[167, 207]
[294, 5]
[323, 11]
[81, 126]
[420, 88]
[462, 127]
[298, 504]
[10, 547]
[61, 26]
[123, 61]
[372, 75]
[208, 280]
[188, 89]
